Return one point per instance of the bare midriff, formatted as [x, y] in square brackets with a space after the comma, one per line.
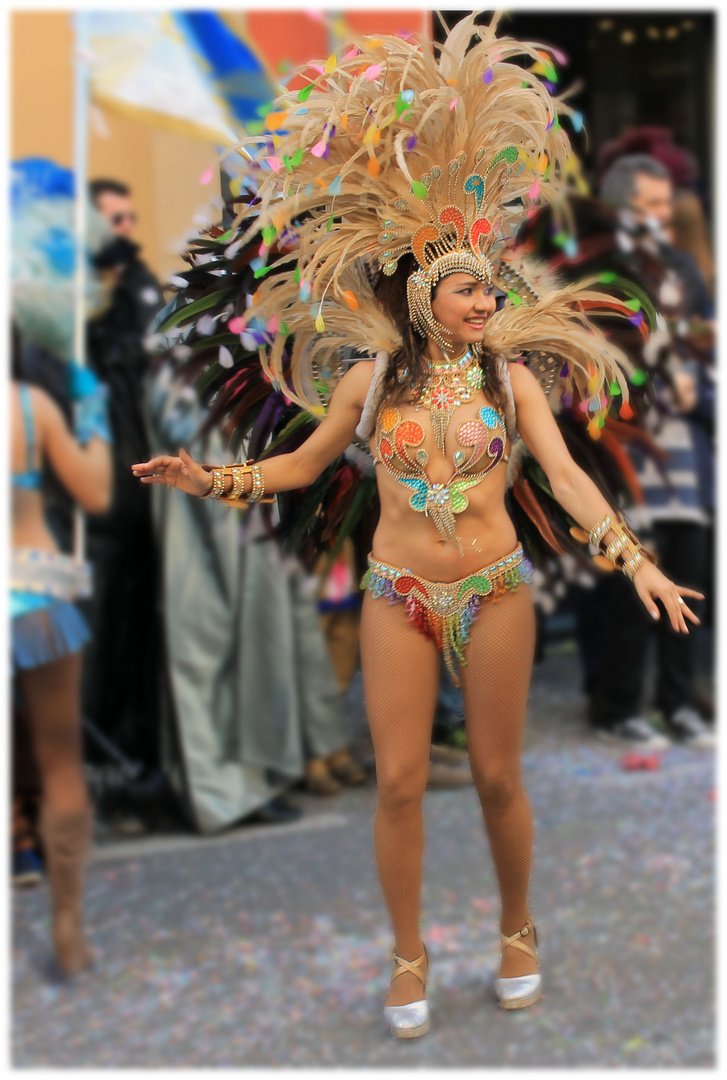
[408, 539]
[29, 529]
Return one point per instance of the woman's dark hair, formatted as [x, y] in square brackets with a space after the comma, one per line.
[408, 369]
[16, 352]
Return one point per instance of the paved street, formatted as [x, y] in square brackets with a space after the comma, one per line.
[269, 946]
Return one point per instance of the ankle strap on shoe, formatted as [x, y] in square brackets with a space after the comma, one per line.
[408, 965]
[515, 941]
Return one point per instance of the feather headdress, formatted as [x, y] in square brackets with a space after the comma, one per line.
[398, 148]
[402, 148]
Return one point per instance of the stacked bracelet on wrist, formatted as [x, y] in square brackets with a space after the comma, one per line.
[238, 474]
[625, 553]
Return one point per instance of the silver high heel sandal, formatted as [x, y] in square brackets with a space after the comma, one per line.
[412, 1020]
[522, 990]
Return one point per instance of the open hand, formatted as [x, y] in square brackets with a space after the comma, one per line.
[183, 473]
[652, 585]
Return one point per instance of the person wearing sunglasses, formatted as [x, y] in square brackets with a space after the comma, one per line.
[113, 199]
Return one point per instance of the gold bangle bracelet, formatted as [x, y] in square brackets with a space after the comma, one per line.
[218, 484]
[625, 552]
[599, 530]
[238, 472]
[238, 482]
[258, 484]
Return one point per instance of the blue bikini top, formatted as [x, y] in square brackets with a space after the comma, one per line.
[30, 479]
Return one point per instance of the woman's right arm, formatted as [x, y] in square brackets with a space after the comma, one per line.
[86, 472]
[286, 472]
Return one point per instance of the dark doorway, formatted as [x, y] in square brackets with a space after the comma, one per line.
[634, 69]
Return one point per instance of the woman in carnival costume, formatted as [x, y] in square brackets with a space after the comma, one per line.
[394, 182]
[48, 632]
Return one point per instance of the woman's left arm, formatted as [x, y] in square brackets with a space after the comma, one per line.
[579, 496]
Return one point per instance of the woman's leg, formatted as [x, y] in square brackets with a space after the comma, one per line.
[400, 674]
[25, 784]
[495, 683]
[51, 693]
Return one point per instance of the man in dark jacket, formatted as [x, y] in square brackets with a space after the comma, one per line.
[120, 676]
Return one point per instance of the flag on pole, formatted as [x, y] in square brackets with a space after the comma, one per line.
[143, 65]
[234, 66]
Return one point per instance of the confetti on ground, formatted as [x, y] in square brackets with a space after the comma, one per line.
[273, 949]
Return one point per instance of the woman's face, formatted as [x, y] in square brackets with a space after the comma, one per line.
[463, 304]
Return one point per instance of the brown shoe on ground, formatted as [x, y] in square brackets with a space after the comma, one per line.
[345, 769]
[318, 779]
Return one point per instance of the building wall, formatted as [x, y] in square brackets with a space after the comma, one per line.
[162, 168]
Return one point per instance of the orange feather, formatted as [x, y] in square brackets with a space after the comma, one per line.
[523, 493]
[616, 450]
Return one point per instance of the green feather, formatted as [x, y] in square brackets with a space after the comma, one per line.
[188, 311]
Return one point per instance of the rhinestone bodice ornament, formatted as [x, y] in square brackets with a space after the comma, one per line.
[398, 448]
[451, 383]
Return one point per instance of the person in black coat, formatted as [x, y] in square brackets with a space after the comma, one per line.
[120, 682]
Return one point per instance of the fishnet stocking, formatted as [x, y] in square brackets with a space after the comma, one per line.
[401, 674]
[401, 677]
[495, 684]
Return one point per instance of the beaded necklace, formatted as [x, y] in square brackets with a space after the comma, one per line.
[451, 382]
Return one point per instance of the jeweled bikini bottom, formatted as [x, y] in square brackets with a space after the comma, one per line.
[443, 611]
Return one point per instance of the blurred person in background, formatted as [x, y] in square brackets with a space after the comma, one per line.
[43, 246]
[682, 214]
[123, 612]
[677, 504]
[641, 188]
[48, 632]
[252, 704]
[322, 671]
[139, 290]
[686, 248]
[689, 234]
[665, 455]
[339, 613]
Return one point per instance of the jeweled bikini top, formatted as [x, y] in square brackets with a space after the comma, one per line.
[398, 448]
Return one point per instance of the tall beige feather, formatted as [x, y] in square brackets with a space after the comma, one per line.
[393, 139]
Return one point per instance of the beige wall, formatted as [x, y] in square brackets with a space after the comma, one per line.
[162, 168]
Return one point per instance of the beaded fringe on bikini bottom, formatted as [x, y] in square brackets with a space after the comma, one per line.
[443, 611]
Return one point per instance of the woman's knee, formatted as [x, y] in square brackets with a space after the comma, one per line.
[400, 790]
[497, 785]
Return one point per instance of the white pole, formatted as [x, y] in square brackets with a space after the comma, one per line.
[80, 170]
[334, 38]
